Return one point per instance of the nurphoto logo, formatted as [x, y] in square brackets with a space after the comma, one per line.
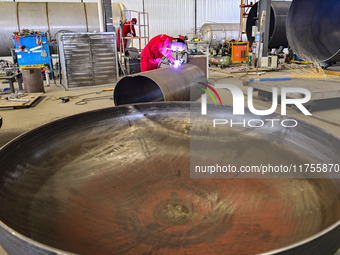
[238, 105]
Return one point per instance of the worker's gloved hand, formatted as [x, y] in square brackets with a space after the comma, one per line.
[171, 59]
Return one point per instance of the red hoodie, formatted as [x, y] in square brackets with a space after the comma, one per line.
[151, 55]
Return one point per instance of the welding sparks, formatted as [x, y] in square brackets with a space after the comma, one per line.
[177, 63]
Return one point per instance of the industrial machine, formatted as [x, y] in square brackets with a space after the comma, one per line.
[227, 53]
[220, 55]
[239, 51]
[132, 60]
[222, 61]
[32, 49]
[269, 62]
[216, 33]
[7, 68]
[93, 64]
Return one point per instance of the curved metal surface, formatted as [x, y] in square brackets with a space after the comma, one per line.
[70, 16]
[117, 181]
[31, 16]
[277, 30]
[215, 33]
[164, 84]
[313, 30]
[8, 16]
[51, 16]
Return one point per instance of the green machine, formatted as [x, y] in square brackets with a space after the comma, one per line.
[220, 56]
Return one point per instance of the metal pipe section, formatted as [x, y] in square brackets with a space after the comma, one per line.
[277, 27]
[215, 33]
[108, 16]
[195, 18]
[164, 84]
[313, 30]
[50, 16]
[101, 16]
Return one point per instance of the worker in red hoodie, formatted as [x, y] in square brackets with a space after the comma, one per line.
[159, 46]
[128, 30]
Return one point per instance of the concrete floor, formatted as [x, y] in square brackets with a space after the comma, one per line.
[48, 108]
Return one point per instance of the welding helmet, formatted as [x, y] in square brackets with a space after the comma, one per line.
[177, 45]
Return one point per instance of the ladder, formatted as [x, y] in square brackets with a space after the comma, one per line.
[245, 7]
[142, 28]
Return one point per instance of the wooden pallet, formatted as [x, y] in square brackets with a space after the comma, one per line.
[32, 97]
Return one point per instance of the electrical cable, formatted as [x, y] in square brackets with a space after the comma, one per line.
[66, 99]
[85, 100]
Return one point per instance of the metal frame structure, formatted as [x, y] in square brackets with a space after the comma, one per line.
[143, 32]
[245, 7]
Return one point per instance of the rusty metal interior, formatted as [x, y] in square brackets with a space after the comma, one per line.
[118, 182]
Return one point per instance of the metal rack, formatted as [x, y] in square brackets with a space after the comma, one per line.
[143, 33]
[54, 67]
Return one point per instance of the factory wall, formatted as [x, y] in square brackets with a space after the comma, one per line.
[177, 17]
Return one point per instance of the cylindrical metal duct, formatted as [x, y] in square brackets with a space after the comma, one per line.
[277, 30]
[215, 33]
[165, 84]
[101, 16]
[50, 16]
[313, 30]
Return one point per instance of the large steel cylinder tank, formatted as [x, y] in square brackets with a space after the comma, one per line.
[50, 16]
[164, 84]
[117, 181]
[215, 33]
[313, 30]
[277, 30]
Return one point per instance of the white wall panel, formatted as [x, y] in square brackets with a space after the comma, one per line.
[136, 5]
[175, 17]
[218, 11]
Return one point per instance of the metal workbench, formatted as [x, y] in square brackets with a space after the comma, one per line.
[12, 78]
